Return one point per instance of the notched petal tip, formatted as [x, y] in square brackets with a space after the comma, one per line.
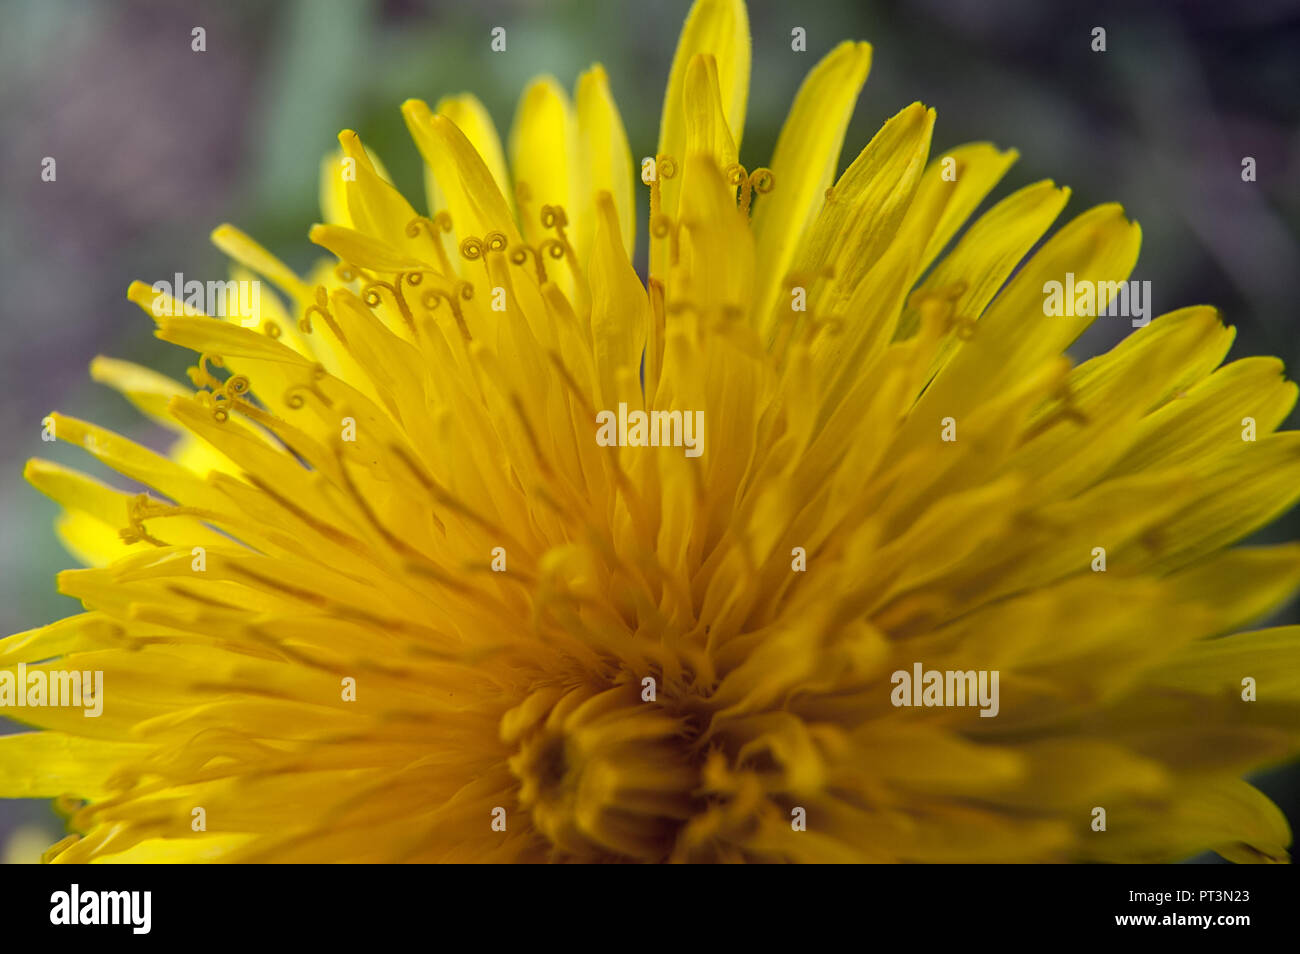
[543, 82]
[857, 52]
[141, 293]
[352, 147]
[34, 468]
[224, 232]
[595, 72]
[416, 112]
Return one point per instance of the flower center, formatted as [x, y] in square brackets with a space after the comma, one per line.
[603, 775]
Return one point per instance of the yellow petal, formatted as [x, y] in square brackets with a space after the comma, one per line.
[1225, 815]
[860, 219]
[1015, 334]
[1102, 372]
[90, 541]
[333, 193]
[543, 158]
[986, 255]
[213, 846]
[85, 631]
[619, 309]
[247, 252]
[50, 764]
[1241, 585]
[806, 159]
[1066, 773]
[374, 206]
[1211, 415]
[606, 159]
[719, 28]
[1217, 667]
[472, 119]
[977, 168]
[1241, 489]
[361, 248]
[474, 200]
[706, 122]
[145, 388]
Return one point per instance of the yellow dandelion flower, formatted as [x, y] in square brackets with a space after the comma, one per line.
[417, 584]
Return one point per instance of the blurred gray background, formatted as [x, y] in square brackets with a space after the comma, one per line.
[157, 144]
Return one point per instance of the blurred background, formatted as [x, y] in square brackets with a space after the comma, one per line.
[157, 144]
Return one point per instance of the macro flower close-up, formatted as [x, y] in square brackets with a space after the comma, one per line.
[597, 507]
